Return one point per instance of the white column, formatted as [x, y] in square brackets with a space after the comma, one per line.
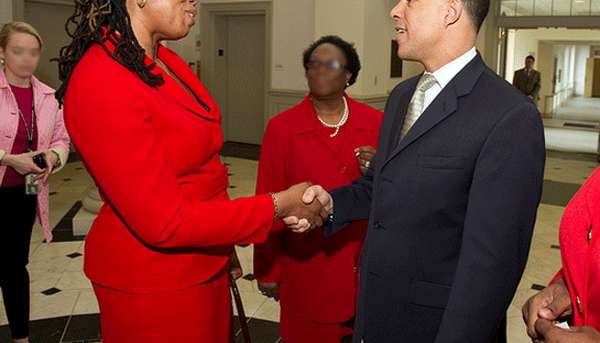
[82, 222]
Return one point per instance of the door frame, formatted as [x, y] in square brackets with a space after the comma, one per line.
[208, 24]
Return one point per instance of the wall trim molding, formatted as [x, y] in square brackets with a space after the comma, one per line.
[532, 22]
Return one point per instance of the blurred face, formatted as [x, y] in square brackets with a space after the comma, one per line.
[419, 25]
[529, 63]
[326, 73]
[166, 19]
[21, 55]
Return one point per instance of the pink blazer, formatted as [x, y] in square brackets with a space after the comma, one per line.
[51, 133]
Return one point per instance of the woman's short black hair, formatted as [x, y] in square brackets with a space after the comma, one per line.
[352, 60]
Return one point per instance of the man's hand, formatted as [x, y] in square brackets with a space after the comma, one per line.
[365, 155]
[292, 203]
[550, 333]
[311, 195]
[550, 304]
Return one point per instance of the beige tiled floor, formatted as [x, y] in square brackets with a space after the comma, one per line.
[49, 266]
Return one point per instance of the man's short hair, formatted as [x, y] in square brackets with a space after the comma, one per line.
[530, 58]
[478, 10]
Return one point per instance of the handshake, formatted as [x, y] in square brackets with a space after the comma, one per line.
[304, 206]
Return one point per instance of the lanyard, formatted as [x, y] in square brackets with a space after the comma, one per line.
[27, 129]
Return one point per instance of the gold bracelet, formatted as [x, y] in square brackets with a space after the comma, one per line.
[275, 206]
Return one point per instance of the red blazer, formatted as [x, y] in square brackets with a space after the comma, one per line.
[580, 250]
[167, 222]
[317, 274]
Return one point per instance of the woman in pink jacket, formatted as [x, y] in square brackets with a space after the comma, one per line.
[573, 296]
[33, 144]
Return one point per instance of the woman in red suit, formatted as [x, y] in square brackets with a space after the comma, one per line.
[149, 134]
[574, 293]
[323, 139]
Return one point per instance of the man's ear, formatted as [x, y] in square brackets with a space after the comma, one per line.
[454, 12]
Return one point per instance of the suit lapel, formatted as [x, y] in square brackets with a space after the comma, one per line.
[397, 112]
[444, 105]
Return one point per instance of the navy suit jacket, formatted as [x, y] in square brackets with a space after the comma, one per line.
[451, 210]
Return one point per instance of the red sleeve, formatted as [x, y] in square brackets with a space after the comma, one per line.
[271, 178]
[109, 122]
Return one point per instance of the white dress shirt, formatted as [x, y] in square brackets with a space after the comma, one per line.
[445, 74]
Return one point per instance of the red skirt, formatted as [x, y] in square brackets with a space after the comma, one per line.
[295, 329]
[198, 314]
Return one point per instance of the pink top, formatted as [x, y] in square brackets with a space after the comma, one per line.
[24, 97]
[51, 133]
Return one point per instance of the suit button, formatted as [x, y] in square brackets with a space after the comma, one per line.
[379, 226]
[343, 170]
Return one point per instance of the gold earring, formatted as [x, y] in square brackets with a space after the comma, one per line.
[141, 3]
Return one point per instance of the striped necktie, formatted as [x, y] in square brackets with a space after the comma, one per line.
[415, 107]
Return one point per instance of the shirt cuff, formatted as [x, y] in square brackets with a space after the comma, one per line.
[62, 159]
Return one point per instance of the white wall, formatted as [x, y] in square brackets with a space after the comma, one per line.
[582, 52]
[293, 31]
[49, 20]
[564, 85]
[6, 11]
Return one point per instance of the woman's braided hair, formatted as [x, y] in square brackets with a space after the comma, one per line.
[101, 21]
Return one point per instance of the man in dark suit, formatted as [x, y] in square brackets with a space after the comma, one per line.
[528, 80]
[452, 194]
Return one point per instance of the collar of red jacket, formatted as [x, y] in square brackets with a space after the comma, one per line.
[307, 118]
[171, 87]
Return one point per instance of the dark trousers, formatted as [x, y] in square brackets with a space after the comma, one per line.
[16, 223]
[500, 336]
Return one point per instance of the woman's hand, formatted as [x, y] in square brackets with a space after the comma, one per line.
[51, 159]
[364, 154]
[235, 268]
[550, 304]
[291, 204]
[22, 163]
[550, 333]
[269, 289]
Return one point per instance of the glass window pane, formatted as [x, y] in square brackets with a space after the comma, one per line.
[561, 7]
[595, 7]
[543, 7]
[507, 8]
[581, 7]
[525, 7]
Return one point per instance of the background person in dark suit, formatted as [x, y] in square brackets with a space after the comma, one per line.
[452, 193]
[528, 80]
